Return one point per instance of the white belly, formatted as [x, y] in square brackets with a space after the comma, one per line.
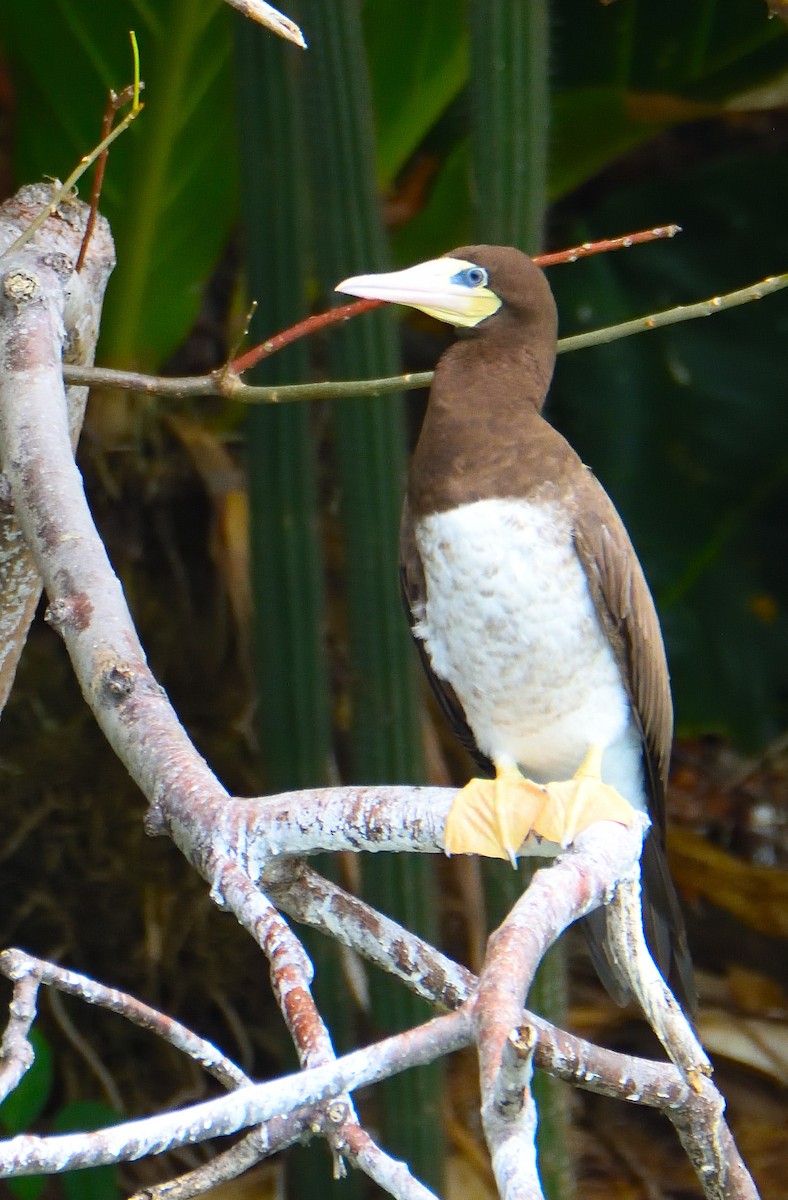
[510, 624]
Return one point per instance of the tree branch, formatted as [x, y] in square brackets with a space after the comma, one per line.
[265, 14]
[226, 383]
[31, 1155]
[236, 843]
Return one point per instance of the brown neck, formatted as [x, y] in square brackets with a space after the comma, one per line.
[483, 434]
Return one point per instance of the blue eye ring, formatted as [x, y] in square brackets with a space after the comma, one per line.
[473, 277]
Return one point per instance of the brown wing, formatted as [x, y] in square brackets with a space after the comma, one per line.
[413, 589]
[626, 611]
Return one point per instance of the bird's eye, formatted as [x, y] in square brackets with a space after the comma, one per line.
[474, 277]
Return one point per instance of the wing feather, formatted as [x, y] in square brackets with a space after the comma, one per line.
[627, 614]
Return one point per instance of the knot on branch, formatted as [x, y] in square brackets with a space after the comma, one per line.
[72, 613]
[118, 682]
[21, 286]
[62, 264]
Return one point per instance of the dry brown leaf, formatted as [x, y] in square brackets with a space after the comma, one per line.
[750, 1041]
[755, 894]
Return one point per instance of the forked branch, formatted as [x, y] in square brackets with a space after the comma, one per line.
[244, 849]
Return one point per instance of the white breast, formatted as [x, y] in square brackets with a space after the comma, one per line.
[510, 624]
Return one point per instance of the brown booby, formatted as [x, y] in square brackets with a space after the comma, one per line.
[527, 601]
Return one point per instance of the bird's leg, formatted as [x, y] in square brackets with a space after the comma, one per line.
[493, 817]
[574, 804]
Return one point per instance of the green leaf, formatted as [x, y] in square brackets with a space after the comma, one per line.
[687, 427]
[94, 1183]
[445, 221]
[590, 127]
[170, 188]
[21, 1107]
[622, 72]
[418, 61]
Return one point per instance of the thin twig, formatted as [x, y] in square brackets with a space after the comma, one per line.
[17, 964]
[129, 95]
[310, 325]
[86, 1052]
[604, 245]
[225, 383]
[63, 191]
[346, 311]
[674, 316]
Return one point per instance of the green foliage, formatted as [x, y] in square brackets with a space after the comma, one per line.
[95, 1183]
[25, 1104]
[687, 428]
[22, 1106]
[171, 183]
[20, 1109]
[418, 56]
[619, 73]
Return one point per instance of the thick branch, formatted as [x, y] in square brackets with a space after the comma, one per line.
[574, 885]
[234, 843]
[88, 609]
[20, 580]
[694, 1108]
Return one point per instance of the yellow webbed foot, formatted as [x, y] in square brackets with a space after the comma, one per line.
[493, 817]
[575, 804]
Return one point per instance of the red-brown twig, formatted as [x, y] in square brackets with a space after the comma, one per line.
[114, 104]
[302, 329]
[291, 974]
[605, 244]
[344, 313]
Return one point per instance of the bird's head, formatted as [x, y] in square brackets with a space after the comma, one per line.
[474, 288]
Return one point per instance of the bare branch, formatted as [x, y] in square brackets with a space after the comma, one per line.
[226, 383]
[324, 905]
[30, 1155]
[604, 245]
[573, 886]
[18, 965]
[274, 1135]
[61, 194]
[16, 1051]
[234, 843]
[271, 18]
[291, 974]
[20, 580]
[628, 947]
[674, 316]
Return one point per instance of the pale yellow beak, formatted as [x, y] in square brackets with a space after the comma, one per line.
[450, 289]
